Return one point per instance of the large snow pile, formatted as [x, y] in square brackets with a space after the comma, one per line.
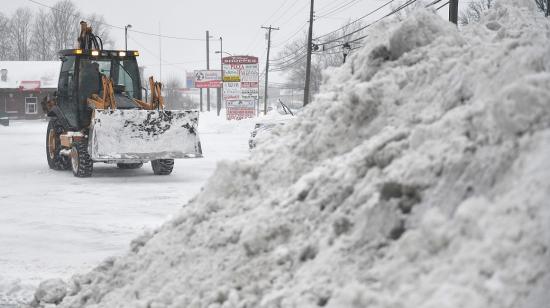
[420, 177]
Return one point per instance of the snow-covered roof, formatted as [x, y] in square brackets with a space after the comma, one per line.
[47, 72]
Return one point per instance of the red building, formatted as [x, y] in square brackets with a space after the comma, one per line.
[23, 84]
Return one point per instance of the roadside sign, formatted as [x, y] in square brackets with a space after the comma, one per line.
[208, 79]
[240, 86]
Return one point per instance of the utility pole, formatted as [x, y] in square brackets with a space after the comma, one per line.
[207, 68]
[160, 55]
[200, 101]
[269, 29]
[308, 61]
[453, 11]
[547, 8]
[220, 90]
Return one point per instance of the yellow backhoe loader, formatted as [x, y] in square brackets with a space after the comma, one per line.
[99, 114]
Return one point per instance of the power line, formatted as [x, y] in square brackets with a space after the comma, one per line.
[329, 7]
[406, 4]
[358, 19]
[350, 23]
[291, 64]
[177, 65]
[433, 3]
[119, 27]
[444, 4]
[276, 11]
[290, 56]
[293, 35]
[252, 43]
[254, 40]
[296, 58]
[174, 63]
[339, 8]
[295, 14]
[340, 52]
[347, 42]
[284, 66]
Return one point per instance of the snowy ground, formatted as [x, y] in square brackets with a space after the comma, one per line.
[53, 224]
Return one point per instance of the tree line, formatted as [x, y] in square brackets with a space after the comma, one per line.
[39, 36]
[476, 8]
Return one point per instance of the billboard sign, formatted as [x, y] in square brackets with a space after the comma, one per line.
[208, 79]
[240, 86]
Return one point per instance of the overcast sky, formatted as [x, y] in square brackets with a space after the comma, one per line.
[237, 21]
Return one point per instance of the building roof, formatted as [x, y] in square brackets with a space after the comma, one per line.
[20, 73]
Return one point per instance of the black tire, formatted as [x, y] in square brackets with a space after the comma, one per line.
[81, 162]
[162, 166]
[129, 165]
[56, 161]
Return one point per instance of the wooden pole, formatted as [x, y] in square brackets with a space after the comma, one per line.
[208, 68]
[201, 100]
[308, 61]
[453, 11]
[220, 90]
[267, 65]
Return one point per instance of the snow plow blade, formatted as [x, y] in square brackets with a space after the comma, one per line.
[117, 135]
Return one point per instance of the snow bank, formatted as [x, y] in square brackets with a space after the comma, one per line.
[419, 177]
[51, 291]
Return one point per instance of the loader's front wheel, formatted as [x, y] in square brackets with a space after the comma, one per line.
[81, 162]
[129, 165]
[162, 166]
[56, 161]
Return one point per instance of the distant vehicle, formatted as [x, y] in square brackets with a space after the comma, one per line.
[4, 119]
[263, 128]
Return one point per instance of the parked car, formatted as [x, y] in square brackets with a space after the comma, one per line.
[263, 128]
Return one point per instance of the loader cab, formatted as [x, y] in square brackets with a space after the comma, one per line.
[80, 77]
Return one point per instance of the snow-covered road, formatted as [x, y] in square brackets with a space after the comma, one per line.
[54, 225]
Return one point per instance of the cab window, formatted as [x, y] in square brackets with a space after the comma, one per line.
[66, 90]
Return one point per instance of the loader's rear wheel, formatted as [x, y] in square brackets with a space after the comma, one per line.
[162, 166]
[81, 162]
[56, 161]
[129, 165]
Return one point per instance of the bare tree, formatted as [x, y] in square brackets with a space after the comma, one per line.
[328, 52]
[98, 24]
[474, 11]
[20, 33]
[174, 97]
[21, 38]
[65, 24]
[541, 4]
[41, 44]
[6, 49]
